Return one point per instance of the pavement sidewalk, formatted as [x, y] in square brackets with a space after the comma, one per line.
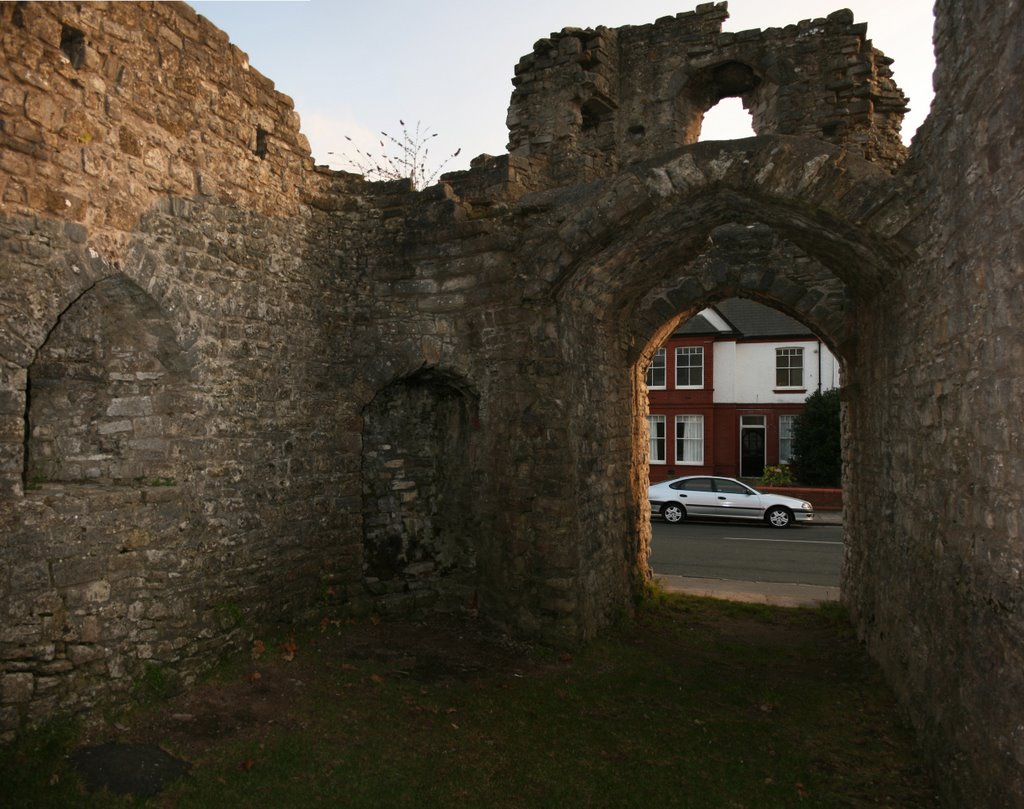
[827, 518]
[779, 594]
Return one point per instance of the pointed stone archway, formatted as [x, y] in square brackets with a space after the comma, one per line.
[797, 224]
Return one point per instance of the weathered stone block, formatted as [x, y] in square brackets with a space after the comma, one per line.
[16, 688]
[97, 592]
[77, 571]
[80, 655]
[112, 427]
[134, 406]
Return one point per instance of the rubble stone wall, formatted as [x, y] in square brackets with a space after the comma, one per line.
[589, 102]
[939, 594]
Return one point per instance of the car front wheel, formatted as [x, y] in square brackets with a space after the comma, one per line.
[672, 513]
[778, 517]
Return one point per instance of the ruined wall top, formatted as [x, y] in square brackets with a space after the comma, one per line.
[588, 102]
[108, 106]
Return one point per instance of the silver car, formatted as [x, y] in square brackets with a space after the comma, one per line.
[703, 496]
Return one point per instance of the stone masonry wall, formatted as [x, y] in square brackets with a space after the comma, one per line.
[218, 362]
[589, 102]
[940, 597]
[172, 549]
[175, 461]
[107, 109]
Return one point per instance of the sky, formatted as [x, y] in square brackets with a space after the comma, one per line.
[356, 67]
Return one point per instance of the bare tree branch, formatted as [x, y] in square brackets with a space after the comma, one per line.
[401, 157]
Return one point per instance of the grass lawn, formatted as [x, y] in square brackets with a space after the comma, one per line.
[692, 703]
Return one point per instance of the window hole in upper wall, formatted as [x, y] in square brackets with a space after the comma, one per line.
[594, 112]
[261, 142]
[733, 79]
[727, 120]
[72, 45]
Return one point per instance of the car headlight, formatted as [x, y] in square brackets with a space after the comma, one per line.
[807, 507]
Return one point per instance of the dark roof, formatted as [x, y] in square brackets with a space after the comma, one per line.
[696, 325]
[748, 319]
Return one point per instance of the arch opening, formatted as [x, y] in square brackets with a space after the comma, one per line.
[632, 293]
[740, 336]
[722, 393]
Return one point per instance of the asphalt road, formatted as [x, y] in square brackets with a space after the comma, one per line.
[802, 554]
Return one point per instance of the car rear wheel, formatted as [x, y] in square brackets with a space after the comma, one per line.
[672, 512]
[778, 517]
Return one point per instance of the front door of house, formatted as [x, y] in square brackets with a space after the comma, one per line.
[752, 444]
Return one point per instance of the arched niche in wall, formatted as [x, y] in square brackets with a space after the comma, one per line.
[105, 392]
[419, 535]
[597, 123]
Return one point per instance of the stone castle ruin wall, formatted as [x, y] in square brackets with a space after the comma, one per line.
[588, 103]
[238, 388]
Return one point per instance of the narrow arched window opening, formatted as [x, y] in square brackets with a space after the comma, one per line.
[261, 142]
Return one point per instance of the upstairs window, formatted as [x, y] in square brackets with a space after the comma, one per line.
[656, 370]
[690, 367]
[789, 367]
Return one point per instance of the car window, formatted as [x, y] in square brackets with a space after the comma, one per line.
[730, 487]
[698, 485]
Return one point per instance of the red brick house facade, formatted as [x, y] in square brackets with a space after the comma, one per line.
[725, 387]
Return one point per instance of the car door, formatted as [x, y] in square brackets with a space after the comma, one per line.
[736, 500]
[697, 496]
